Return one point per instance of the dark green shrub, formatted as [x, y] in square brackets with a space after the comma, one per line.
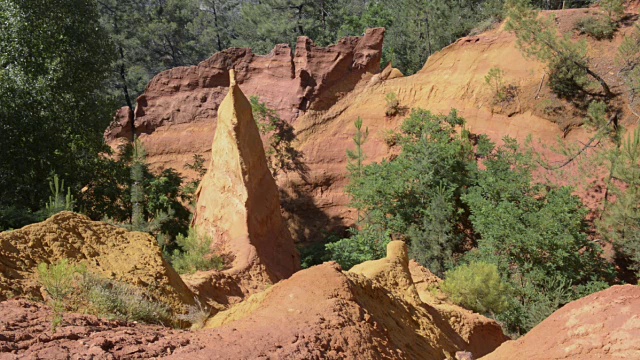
[566, 79]
[414, 197]
[597, 27]
[72, 288]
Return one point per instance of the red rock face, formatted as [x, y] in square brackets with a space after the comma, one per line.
[289, 83]
[322, 91]
[176, 117]
[239, 207]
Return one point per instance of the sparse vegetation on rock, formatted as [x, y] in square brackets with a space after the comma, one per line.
[620, 223]
[73, 288]
[567, 60]
[393, 104]
[598, 27]
[195, 254]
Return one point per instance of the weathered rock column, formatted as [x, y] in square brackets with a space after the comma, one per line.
[238, 204]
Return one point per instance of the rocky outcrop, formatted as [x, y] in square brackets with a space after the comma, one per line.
[26, 333]
[604, 325]
[131, 257]
[238, 204]
[437, 326]
[371, 312]
[176, 117]
[179, 105]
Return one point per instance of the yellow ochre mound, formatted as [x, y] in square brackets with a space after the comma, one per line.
[106, 250]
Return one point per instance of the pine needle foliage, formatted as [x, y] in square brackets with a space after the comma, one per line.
[566, 60]
[620, 223]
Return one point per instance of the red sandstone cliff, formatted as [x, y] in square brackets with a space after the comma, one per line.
[604, 325]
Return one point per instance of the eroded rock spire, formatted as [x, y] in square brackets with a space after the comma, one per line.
[238, 204]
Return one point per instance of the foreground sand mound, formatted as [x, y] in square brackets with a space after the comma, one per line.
[370, 312]
[131, 257]
[318, 313]
[604, 325]
[238, 206]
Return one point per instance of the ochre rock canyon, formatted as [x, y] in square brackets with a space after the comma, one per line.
[262, 305]
[322, 91]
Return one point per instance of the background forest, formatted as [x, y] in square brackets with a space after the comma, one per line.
[65, 65]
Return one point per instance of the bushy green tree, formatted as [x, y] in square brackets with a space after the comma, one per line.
[55, 59]
[620, 223]
[532, 232]
[436, 197]
[567, 61]
[133, 196]
[152, 36]
[396, 197]
[629, 56]
[598, 27]
[195, 254]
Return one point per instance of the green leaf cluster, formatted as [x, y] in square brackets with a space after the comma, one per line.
[415, 196]
[195, 254]
[281, 155]
[477, 286]
[567, 61]
[620, 222]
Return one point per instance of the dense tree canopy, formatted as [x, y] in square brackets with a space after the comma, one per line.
[155, 35]
[54, 62]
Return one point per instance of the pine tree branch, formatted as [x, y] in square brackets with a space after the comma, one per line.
[612, 119]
